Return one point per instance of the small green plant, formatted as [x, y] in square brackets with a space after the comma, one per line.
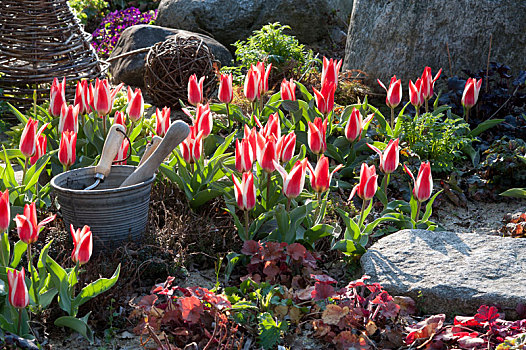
[271, 44]
[437, 137]
[88, 10]
[505, 162]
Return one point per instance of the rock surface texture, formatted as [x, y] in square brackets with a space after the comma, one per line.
[401, 37]
[130, 69]
[448, 272]
[228, 21]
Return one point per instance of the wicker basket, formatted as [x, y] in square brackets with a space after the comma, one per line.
[40, 40]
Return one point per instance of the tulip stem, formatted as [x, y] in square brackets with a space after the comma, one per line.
[418, 211]
[32, 271]
[427, 105]
[246, 225]
[365, 203]
[318, 210]
[392, 118]
[76, 272]
[385, 183]
[268, 191]
[4, 261]
[260, 106]
[132, 126]
[288, 204]
[25, 168]
[19, 321]
[467, 113]
[104, 125]
[228, 117]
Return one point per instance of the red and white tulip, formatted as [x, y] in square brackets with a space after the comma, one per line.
[28, 140]
[135, 108]
[162, 121]
[18, 294]
[245, 191]
[423, 183]
[226, 91]
[394, 92]
[83, 244]
[316, 136]
[57, 97]
[390, 157]
[67, 148]
[27, 226]
[195, 90]
[69, 118]
[320, 177]
[294, 181]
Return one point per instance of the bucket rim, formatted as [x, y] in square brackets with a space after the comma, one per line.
[58, 177]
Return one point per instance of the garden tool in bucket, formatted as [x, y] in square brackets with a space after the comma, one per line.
[109, 151]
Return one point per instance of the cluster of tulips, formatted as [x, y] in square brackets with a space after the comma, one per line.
[421, 91]
[28, 229]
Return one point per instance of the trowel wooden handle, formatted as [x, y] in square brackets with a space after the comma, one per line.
[176, 134]
[110, 149]
[150, 148]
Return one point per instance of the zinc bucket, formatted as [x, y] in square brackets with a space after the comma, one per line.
[115, 215]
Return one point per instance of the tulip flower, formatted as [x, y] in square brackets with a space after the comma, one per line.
[195, 90]
[69, 118]
[226, 91]
[330, 71]
[471, 94]
[120, 158]
[320, 177]
[18, 294]
[367, 186]
[83, 242]
[135, 108]
[288, 90]
[355, 125]
[251, 136]
[203, 119]
[428, 83]
[102, 101]
[66, 151]
[416, 95]
[394, 95]
[263, 78]
[41, 147]
[57, 97]
[390, 158]
[316, 136]
[119, 118]
[251, 86]
[272, 127]
[245, 193]
[325, 97]
[162, 121]
[87, 96]
[285, 147]
[266, 152]
[244, 156]
[80, 99]
[28, 140]
[5, 215]
[27, 227]
[423, 183]
[294, 181]
[192, 146]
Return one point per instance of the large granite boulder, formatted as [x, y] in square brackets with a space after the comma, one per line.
[130, 69]
[228, 21]
[402, 37]
[447, 272]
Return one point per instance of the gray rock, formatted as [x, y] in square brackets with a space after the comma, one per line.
[448, 272]
[402, 37]
[130, 69]
[228, 21]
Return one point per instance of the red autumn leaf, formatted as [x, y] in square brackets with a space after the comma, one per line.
[325, 279]
[296, 251]
[322, 291]
[425, 329]
[250, 247]
[271, 269]
[407, 305]
[466, 321]
[469, 342]
[273, 250]
[191, 309]
[486, 314]
[147, 302]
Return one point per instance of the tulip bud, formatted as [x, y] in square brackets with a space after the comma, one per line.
[288, 90]
[18, 294]
[266, 152]
[263, 78]
[80, 99]
[83, 242]
[195, 90]
[330, 71]
[41, 147]
[27, 226]
[251, 86]
[69, 118]
[66, 152]
[102, 101]
[316, 136]
[28, 140]
[57, 97]
[353, 129]
[119, 118]
[428, 82]
[394, 93]
[135, 108]
[122, 153]
[245, 191]
[320, 178]
[367, 186]
[286, 146]
[390, 158]
[416, 95]
[162, 121]
[203, 119]
[294, 181]
[87, 96]
[244, 156]
[423, 183]
[325, 97]
[5, 215]
[192, 147]
[226, 91]
[272, 127]
[471, 92]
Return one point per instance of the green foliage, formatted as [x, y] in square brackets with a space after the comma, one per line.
[88, 10]
[270, 330]
[437, 137]
[517, 343]
[271, 44]
[505, 162]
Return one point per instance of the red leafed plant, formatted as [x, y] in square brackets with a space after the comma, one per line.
[174, 316]
[485, 330]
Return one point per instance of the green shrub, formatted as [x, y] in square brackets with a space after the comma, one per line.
[289, 58]
[88, 10]
[505, 163]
